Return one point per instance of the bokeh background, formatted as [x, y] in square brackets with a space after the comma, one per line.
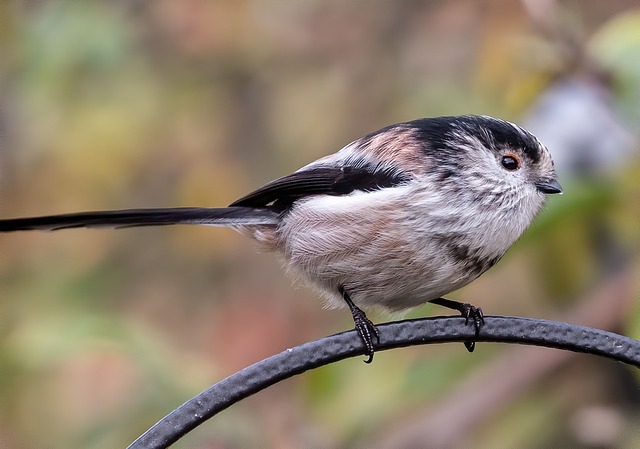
[108, 105]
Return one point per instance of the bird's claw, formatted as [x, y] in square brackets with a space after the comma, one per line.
[469, 311]
[367, 330]
[365, 327]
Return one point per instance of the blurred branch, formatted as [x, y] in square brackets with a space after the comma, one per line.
[547, 17]
[398, 334]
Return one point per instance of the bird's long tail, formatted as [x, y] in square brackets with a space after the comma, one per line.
[223, 216]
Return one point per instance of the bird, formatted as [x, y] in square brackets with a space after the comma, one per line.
[397, 218]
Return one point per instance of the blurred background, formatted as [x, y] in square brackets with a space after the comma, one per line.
[122, 104]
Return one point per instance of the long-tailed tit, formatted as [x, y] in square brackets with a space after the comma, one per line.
[395, 219]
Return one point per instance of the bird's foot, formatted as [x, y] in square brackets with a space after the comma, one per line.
[468, 312]
[365, 327]
[472, 312]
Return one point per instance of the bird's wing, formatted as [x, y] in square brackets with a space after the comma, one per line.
[320, 180]
[262, 207]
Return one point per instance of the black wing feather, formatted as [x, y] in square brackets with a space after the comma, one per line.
[262, 206]
[319, 180]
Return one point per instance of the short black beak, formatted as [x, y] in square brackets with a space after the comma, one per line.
[549, 186]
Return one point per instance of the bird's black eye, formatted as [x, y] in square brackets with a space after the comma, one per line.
[510, 161]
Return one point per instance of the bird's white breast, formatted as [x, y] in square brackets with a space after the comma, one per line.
[386, 250]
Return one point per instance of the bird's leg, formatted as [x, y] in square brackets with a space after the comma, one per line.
[366, 329]
[468, 311]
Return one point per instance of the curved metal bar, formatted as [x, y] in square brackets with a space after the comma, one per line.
[397, 334]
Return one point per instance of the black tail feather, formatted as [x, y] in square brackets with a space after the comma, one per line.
[224, 216]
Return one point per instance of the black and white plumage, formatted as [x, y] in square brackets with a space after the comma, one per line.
[396, 218]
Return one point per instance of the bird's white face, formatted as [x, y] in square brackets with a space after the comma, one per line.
[504, 167]
[498, 175]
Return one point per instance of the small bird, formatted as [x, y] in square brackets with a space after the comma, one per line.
[395, 219]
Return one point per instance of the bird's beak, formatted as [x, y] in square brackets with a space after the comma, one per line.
[549, 186]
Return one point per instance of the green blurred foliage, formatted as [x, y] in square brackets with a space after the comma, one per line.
[111, 105]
